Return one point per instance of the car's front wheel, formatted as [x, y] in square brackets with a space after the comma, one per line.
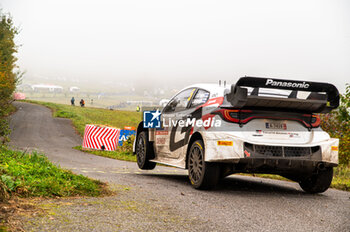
[319, 182]
[203, 175]
[144, 152]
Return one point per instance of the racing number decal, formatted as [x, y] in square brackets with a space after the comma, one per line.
[197, 114]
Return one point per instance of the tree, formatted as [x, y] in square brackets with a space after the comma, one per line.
[8, 75]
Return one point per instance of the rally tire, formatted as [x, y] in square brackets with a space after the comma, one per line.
[144, 152]
[202, 175]
[319, 182]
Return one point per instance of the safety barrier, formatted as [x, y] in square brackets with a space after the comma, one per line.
[100, 138]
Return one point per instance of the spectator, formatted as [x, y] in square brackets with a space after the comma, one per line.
[82, 103]
[72, 101]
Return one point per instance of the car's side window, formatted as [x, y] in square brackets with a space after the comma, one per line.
[180, 101]
[200, 98]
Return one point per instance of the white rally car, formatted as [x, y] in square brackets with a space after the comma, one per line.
[258, 125]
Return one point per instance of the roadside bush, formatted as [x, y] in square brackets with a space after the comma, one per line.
[127, 145]
[337, 124]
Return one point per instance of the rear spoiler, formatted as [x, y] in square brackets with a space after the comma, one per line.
[323, 97]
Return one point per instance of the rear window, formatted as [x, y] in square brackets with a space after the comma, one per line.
[201, 97]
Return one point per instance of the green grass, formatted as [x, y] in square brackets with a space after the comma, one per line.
[341, 177]
[81, 116]
[119, 155]
[9, 110]
[25, 175]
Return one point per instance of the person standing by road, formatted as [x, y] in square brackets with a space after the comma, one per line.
[72, 101]
[82, 103]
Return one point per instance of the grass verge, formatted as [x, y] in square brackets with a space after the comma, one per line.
[25, 175]
[81, 116]
[119, 155]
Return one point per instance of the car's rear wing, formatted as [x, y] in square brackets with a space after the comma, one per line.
[323, 97]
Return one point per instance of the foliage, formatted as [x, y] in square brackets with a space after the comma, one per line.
[8, 76]
[341, 177]
[127, 145]
[34, 175]
[337, 124]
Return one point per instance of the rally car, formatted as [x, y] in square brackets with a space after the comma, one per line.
[258, 125]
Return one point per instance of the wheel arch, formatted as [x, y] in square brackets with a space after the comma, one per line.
[139, 129]
[194, 137]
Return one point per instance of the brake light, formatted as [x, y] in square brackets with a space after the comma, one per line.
[233, 115]
[244, 116]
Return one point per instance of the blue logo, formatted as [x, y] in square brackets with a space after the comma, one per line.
[151, 119]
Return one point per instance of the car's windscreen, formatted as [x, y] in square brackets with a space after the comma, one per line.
[180, 101]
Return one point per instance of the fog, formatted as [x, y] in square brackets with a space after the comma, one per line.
[176, 43]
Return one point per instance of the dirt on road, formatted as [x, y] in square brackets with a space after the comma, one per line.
[162, 199]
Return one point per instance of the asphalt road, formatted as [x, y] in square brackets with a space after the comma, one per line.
[238, 204]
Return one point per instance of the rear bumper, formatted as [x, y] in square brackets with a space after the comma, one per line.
[235, 150]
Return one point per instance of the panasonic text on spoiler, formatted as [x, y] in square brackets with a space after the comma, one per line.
[302, 85]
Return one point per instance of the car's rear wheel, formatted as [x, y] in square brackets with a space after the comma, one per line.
[319, 182]
[203, 175]
[144, 152]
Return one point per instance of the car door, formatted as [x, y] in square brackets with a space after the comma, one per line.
[169, 139]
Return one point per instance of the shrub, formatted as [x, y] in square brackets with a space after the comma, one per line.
[8, 77]
[337, 124]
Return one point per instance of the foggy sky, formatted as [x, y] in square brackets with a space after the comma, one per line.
[183, 42]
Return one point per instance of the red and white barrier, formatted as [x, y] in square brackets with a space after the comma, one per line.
[19, 96]
[96, 137]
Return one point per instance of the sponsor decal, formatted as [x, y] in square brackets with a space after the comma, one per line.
[199, 145]
[276, 125]
[301, 85]
[160, 141]
[258, 133]
[334, 148]
[225, 143]
[184, 131]
[294, 135]
[162, 132]
[276, 133]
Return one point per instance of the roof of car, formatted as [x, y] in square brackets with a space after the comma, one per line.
[211, 87]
